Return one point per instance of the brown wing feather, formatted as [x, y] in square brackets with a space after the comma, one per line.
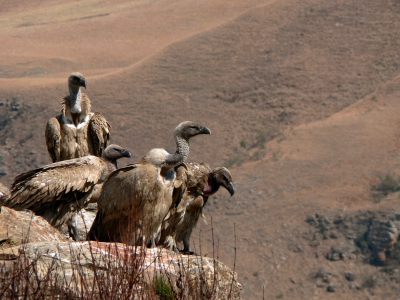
[99, 133]
[55, 181]
[53, 139]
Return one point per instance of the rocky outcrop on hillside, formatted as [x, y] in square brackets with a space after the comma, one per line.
[44, 263]
[371, 234]
[365, 244]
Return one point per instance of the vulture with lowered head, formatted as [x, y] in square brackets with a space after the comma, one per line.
[59, 190]
[135, 199]
[181, 220]
[76, 132]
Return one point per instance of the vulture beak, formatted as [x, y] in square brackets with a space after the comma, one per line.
[231, 189]
[204, 130]
[83, 83]
[126, 153]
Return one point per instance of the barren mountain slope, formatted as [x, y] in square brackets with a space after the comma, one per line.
[284, 63]
[251, 71]
[326, 167]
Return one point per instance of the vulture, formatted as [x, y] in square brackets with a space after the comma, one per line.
[178, 225]
[134, 200]
[59, 190]
[76, 132]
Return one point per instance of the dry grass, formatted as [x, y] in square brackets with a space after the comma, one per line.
[112, 273]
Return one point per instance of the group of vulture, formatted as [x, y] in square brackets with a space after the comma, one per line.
[154, 202]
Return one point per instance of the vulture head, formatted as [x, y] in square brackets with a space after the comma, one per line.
[219, 177]
[189, 129]
[76, 80]
[183, 132]
[114, 152]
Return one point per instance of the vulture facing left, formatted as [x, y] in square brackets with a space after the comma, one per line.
[76, 132]
[59, 190]
[135, 199]
[181, 220]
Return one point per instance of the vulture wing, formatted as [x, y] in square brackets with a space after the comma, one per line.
[99, 134]
[195, 177]
[64, 180]
[133, 203]
[53, 137]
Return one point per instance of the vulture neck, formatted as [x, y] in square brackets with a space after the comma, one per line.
[211, 186]
[181, 154]
[112, 165]
[75, 98]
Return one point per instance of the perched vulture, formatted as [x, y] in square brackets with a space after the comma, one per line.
[59, 190]
[76, 132]
[135, 199]
[178, 225]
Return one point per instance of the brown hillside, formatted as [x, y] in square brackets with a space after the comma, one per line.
[278, 82]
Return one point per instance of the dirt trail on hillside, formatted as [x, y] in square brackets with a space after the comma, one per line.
[148, 29]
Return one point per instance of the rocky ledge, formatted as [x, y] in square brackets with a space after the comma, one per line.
[36, 261]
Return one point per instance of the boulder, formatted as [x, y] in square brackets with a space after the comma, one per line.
[18, 227]
[381, 236]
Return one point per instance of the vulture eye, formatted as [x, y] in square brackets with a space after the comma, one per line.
[116, 149]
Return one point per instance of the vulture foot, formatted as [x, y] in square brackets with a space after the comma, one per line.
[73, 229]
[188, 252]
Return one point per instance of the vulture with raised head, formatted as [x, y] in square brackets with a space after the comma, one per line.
[181, 220]
[135, 199]
[76, 132]
[59, 190]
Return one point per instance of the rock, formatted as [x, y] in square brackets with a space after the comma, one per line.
[92, 207]
[310, 220]
[36, 259]
[338, 253]
[333, 235]
[24, 226]
[191, 277]
[331, 288]
[3, 171]
[349, 276]
[321, 272]
[381, 236]
[355, 286]
[335, 254]
[338, 220]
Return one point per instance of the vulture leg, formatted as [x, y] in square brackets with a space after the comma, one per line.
[73, 228]
[186, 248]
